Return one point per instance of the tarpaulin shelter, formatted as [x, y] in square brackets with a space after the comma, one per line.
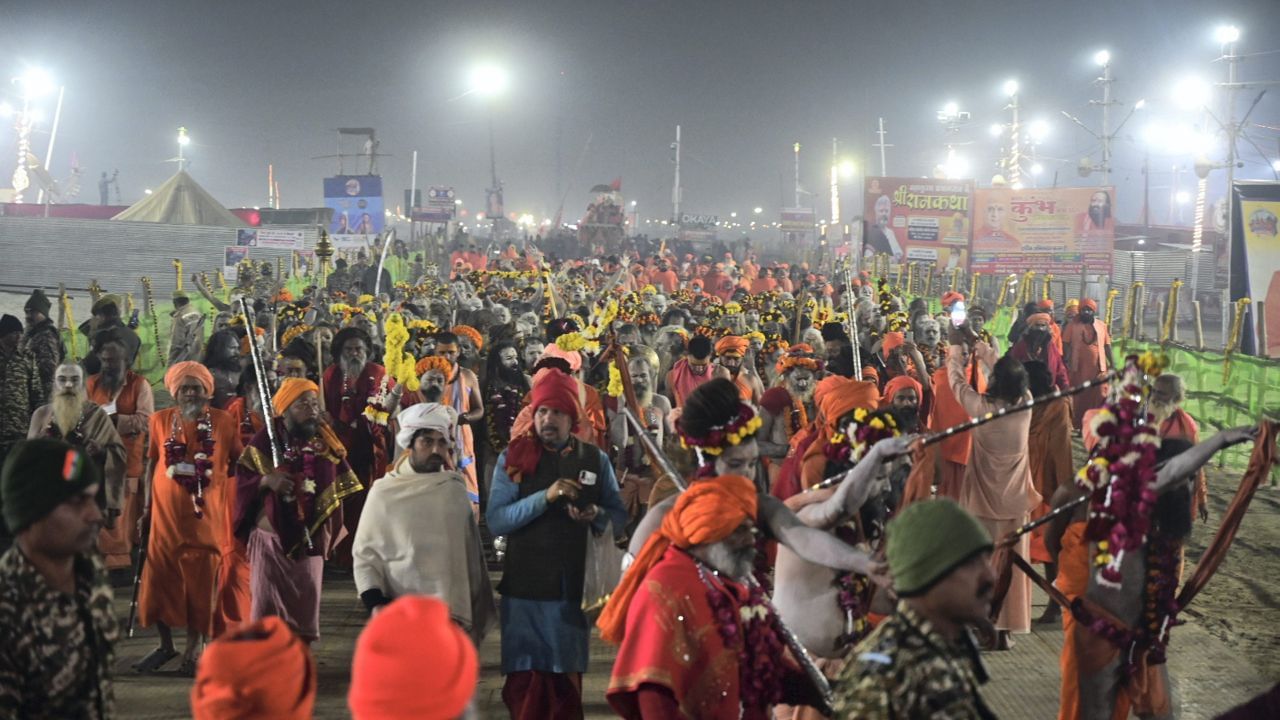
[181, 201]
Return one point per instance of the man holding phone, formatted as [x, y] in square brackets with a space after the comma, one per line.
[549, 490]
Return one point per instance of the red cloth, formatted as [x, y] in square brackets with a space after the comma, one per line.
[539, 695]
[681, 380]
[555, 390]
[891, 341]
[947, 412]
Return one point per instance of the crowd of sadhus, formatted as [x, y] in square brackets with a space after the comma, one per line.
[739, 444]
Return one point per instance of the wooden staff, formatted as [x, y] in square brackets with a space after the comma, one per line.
[155, 319]
[973, 286]
[1195, 309]
[177, 271]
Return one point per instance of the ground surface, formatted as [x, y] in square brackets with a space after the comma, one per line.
[1225, 653]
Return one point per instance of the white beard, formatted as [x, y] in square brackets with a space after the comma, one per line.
[67, 410]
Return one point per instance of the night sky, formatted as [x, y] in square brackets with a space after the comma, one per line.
[603, 85]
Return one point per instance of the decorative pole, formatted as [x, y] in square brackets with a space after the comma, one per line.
[324, 251]
[155, 319]
[177, 271]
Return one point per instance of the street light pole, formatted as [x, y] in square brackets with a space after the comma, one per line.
[1105, 58]
[676, 190]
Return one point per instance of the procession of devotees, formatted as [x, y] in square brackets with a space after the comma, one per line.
[776, 489]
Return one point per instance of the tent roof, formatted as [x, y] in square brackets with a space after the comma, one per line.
[180, 201]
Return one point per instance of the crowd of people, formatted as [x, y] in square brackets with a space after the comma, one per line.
[758, 453]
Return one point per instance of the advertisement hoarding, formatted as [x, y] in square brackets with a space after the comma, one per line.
[1049, 230]
[358, 213]
[1255, 261]
[919, 220]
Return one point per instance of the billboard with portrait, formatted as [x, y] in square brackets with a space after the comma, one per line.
[1049, 230]
[919, 220]
[358, 215]
[1255, 262]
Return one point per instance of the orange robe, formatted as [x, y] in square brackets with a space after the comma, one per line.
[457, 393]
[946, 412]
[1049, 446]
[1181, 425]
[1073, 581]
[234, 600]
[134, 406]
[1086, 361]
[184, 553]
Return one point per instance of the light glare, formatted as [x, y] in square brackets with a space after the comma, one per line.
[1010, 87]
[488, 80]
[1102, 57]
[1227, 34]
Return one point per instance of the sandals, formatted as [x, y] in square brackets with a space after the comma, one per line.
[154, 660]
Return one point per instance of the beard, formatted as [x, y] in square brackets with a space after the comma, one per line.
[1098, 215]
[350, 368]
[1037, 339]
[432, 393]
[67, 409]
[908, 417]
[1160, 411]
[304, 430]
[433, 464]
[112, 379]
[805, 394]
[644, 395]
[511, 375]
[192, 409]
[736, 563]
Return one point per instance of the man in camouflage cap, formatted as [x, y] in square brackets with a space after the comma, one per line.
[921, 662]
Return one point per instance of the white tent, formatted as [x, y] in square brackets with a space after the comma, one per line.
[181, 201]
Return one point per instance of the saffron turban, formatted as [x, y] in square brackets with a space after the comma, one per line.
[709, 511]
[1034, 318]
[891, 341]
[897, 385]
[1045, 304]
[951, 296]
[426, 416]
[290, 390]
[469, 332]
[573, 357]
[261, 670]
[825, 386]
[433, 362]
[846, 398]
[185, 370]
[412, 661]
[732, 345]
[1091, 304]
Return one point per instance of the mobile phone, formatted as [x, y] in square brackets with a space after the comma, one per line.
[959, 314]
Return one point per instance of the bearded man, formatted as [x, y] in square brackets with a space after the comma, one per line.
[505, 385]
[637, 473]
[1165, 405]
[462, 393]
[41, 338]
[690, 371]
[127, 399]
[291, 515]
[785, 410]
[470, 342]
[70, 416]
[222, 360]
[549, 490]
[186, 329]
[1035, 344]
[105, 316]
[189, 495]
[928, 337]
[419, 536]
[1086, 346]
[731, 351]
[350, 385]
[692, 620]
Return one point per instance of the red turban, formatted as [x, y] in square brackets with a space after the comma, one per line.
[261, 670]
[891, 340]
[290, 390]
[555, 390]
[1045, 304]
[412, 661]
[709, 511]
[732, 345]
[897, 385]
[846, 397]
[1034, 318]
[951, 296]
[1089, 303]
[186, 370]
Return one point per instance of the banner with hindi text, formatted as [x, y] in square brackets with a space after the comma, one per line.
[919, 220]
[1048, 230]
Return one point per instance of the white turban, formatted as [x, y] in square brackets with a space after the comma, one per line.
[426, 416]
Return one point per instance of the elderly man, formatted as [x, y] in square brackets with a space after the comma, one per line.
[1171, 421]
[549, 490]
[41, 338]
[922, 662]
[72, 417]
[106, 317]
[127, 399]
[290, 513]
[693, 575]
[188, 493]
[349, 384]
[1086, 347]
[418, 536]
[787, 408]
[638, 475]
[186, 329]
[57, 627]
[462, 393]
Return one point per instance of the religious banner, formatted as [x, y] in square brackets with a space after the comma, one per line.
[273, 239]
[233, 255]
[919, 220]
[1048, 230]
[797, 224]
[1255, 262]
[356, 201]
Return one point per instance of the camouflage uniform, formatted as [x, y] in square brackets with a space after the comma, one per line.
[56, 650]
[20, 395]
[43, 342]
[906, 669]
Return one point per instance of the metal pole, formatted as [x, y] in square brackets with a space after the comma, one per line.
[53, 138]
[1106, 123]
[675, 188]
[1232, 62]
[835, 182]
[883, 168]
[1015, 158]
[796, 148]
[413, 193]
